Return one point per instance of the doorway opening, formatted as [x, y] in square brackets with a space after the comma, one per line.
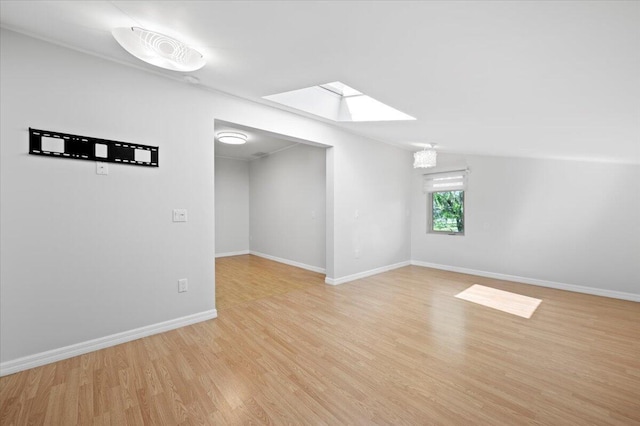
[270, 215]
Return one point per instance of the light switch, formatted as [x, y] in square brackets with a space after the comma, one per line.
[180, 215]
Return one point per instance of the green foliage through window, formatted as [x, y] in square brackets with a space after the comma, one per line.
[448, 211]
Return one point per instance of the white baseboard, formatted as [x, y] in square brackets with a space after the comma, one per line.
[346, 279]
[534, 281]
[54, 355]
[289, 262]
[232, 253]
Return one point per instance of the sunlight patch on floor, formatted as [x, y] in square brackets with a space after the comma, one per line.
[512, 303]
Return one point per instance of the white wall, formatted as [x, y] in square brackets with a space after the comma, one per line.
[232, 205]
[560, 221]
[287, 205]
[373, 184]
[85, 256]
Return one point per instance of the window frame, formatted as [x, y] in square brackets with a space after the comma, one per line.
[430, 220]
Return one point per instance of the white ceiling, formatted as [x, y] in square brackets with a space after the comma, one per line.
[548, 79]
[259, 143]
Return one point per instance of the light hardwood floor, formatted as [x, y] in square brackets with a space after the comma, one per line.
[241, 279]
[396, 348]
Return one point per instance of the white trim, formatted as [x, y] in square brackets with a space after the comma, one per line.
[246, 160]
[232, 253]
[353, 277]
[289, 262]
[266, 154]
[534, 281]
[54, 355]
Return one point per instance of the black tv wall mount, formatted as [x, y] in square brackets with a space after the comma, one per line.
[65, 145]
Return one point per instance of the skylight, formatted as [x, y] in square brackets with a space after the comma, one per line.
[338, 102]
[340, 89]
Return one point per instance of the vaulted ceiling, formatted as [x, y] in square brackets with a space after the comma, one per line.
[546, 79]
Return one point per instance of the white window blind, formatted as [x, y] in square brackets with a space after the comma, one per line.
[447, 181]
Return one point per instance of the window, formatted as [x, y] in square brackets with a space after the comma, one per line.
[447, 212]
[446, 201]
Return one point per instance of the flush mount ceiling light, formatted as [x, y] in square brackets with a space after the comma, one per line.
[158, 49]
[232, 138]
[338, 102]
[426, 158]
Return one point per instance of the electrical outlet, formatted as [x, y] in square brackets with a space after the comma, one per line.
[357, 253]
[182, 285]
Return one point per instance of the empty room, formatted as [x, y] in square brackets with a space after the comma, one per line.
[270, 214]
[320, 212]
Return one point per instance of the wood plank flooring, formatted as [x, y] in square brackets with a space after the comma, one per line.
[396, 348]
[240, 279]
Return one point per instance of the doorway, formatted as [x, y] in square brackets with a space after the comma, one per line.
[270, 207]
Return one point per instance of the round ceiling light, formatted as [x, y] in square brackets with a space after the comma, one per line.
[158, 49]
[232, 138]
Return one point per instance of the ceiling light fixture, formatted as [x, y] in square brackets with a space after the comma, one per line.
[158, 49]
[426, 158]
[232, 138]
